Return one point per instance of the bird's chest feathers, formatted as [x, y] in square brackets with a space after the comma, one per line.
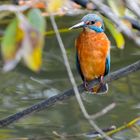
[92, 43]
[92, 52]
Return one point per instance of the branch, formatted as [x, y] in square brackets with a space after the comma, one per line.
[15, 8]
[133, 6]
[67, 94]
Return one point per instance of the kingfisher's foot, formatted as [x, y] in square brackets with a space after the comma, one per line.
[103, 87]
[85, 83]
[87, 87]
[101, 80]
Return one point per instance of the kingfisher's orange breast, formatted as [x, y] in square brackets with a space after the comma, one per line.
[92, 51]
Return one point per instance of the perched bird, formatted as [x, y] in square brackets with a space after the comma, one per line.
[93, 52]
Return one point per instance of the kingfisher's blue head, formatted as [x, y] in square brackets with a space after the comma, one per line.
[92, 22]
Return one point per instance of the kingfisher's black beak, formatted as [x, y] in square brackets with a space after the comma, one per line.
[79, 25]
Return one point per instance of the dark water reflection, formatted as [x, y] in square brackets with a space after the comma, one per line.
[22, 88]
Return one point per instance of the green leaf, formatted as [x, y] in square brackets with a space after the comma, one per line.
[36, 19]
[24, 38]
[119, 39]
[11, 45]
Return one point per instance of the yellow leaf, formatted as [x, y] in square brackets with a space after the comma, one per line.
[32, 49]
[55, 5]
[34, 60]
[117, 35]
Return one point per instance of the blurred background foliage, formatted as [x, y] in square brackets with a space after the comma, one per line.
[32, 59]
[23, 37]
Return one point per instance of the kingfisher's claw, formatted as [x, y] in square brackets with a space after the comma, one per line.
[87, 87]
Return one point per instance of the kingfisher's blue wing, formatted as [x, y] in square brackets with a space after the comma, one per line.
[107, 65]
[78, 67]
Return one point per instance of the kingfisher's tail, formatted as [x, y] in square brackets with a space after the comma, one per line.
[101, 89]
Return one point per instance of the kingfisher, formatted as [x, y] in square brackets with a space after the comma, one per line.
[92, 52]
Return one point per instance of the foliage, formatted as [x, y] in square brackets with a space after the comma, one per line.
[24, 36]
[117, 35]
[23, 39]
[55, 5]
[28, 32]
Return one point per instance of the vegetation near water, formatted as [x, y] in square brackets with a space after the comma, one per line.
[21, 88]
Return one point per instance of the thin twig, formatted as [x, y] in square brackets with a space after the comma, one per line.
[125, 126]
[133, 6]
[103, 111]
[72, 80]
[45, 104]
[91, 134]
[15, 8]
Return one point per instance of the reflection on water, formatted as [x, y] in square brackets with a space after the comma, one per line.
[22, 88]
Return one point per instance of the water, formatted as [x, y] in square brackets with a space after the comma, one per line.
[21, 88]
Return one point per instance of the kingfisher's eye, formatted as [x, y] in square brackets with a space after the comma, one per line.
[92, 22]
